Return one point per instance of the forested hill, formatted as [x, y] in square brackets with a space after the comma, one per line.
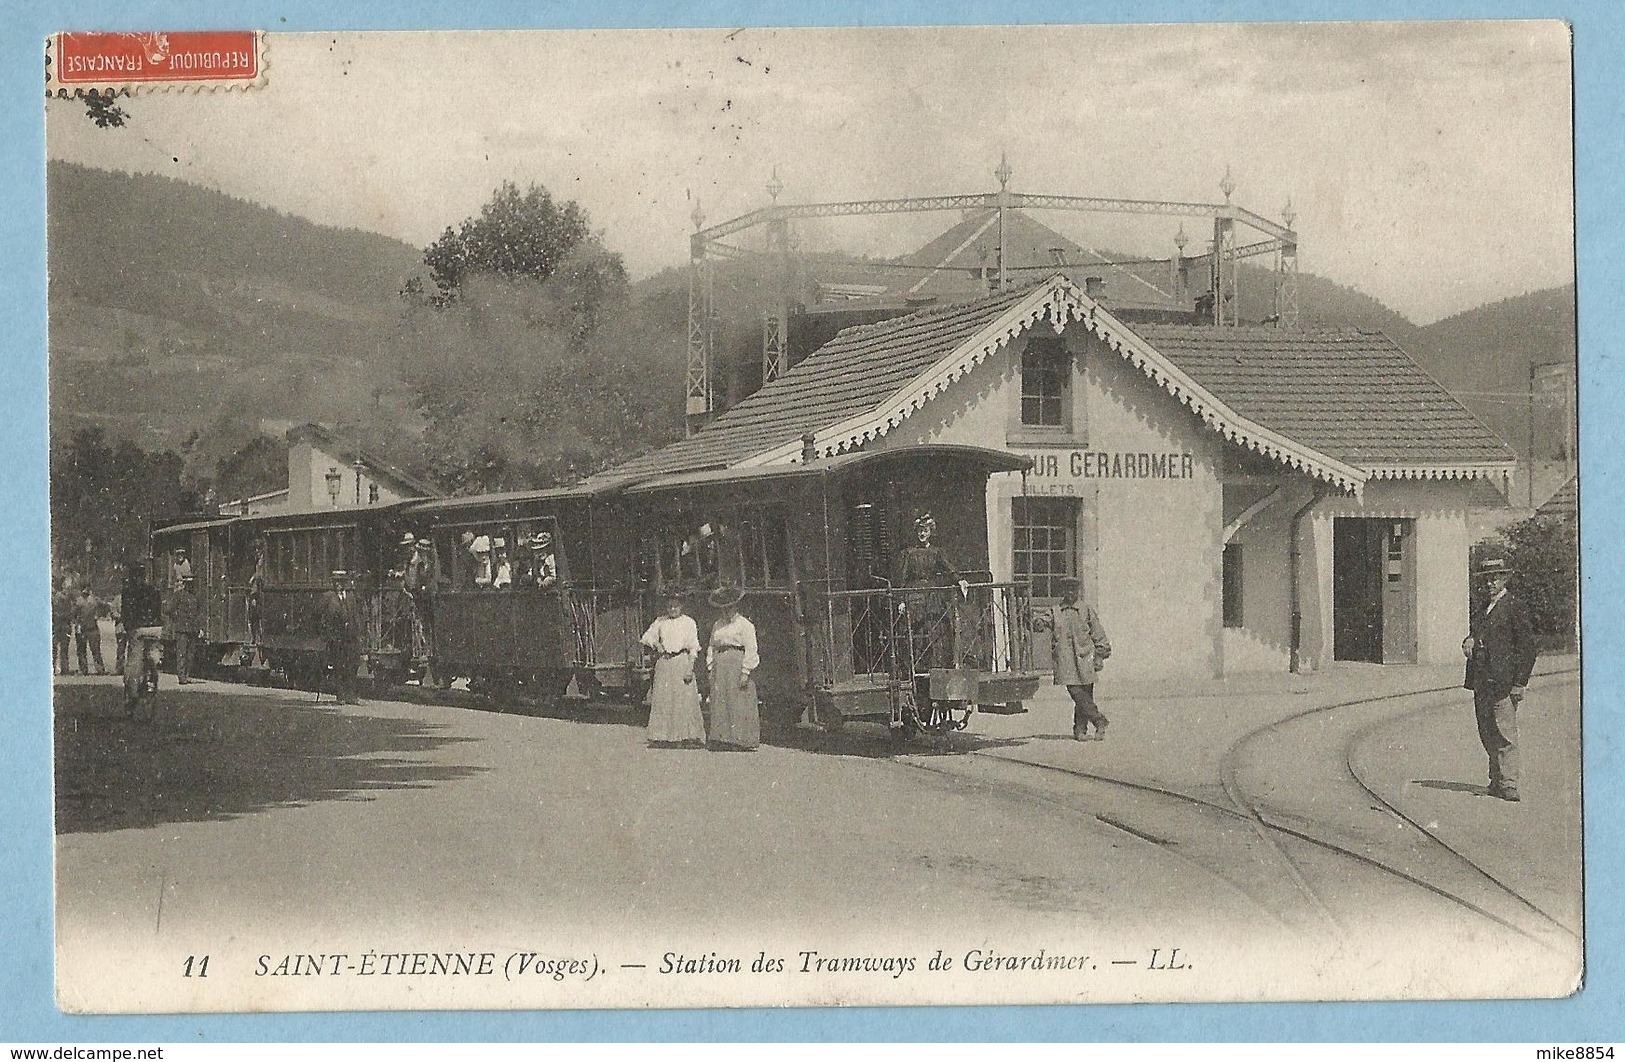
[1484, 355]
[144, 228]
[179, 313]
[177, 309]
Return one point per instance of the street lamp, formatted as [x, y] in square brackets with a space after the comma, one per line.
[334, 478]
[359, 467]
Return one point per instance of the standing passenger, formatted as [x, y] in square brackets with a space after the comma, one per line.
[183, 628]
[480, 549]
[1080, 647]
[256, 595]
[121, 634]
[180, 569]
[544, 567]
[501, 569]
[88, 630]
[674, 698]
[341, 634]
[1500, 658]
[62, 610]
[930, 611]
[732, 659]
[141, 607]
[419, 580]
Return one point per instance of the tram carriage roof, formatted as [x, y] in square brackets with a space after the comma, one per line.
[513, 497]
[194, 525]
[991, 460]
[644, 485]
[319, 517]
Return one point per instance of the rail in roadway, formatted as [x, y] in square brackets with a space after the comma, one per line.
[1282, 857]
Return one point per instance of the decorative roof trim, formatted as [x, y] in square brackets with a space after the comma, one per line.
[1058, 302]
[1465, 471]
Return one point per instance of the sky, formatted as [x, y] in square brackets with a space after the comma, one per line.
[1430, 165]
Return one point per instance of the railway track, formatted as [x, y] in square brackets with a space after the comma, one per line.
[1297, 864]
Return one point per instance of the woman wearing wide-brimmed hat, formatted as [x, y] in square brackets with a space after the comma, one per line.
[674, 697]
[733, 660]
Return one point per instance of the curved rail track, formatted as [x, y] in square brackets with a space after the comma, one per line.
[1216, 836]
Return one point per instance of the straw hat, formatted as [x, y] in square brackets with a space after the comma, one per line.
[726, 596]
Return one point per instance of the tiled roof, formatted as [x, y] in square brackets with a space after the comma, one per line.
[1354, 398]
[1564, 503]
[1352, 395]
[972, 244]
[848, 376]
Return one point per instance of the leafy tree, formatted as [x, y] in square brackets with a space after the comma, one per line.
[515, 235]
[525, 383]
[257, 467]
[1543, 551]
[104, 499]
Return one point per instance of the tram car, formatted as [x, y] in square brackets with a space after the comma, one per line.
[816, 549]
[260, 582]
[531, 591]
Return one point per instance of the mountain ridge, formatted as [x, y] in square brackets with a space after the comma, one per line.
[218, 314]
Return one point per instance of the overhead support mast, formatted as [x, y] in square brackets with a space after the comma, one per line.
[1003, 173]
[707, 244]
[1225, 289]
[1286, 272]
[776, 318]
[701, 328]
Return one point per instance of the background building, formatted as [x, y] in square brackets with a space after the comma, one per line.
[1234, 499]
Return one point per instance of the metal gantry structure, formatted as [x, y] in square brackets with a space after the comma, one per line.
[707, 246]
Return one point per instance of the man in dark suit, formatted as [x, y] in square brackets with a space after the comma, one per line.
[184, 626]
[341, 631]
[1500, 657]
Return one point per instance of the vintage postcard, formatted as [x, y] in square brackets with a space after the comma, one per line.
[767, 517]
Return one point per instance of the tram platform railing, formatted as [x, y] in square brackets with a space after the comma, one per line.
[891, 635]
[608, 623]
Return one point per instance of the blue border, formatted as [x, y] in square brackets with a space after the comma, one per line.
[25, 886]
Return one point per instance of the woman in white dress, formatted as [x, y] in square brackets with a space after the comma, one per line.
[733, 660]
[674, 698]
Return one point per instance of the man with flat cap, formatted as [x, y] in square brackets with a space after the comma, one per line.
[1079, 647]
[341, 633]
[1500, 655]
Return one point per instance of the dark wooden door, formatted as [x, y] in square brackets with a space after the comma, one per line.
[1358, 559]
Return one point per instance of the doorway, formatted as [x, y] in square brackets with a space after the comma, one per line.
[1374, 590]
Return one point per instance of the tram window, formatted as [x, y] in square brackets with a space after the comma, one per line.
[776, 543]
[710, 548]
[1044, 531]
[752, 560]
[1045, 368]
[1231, 582]
[646, 564]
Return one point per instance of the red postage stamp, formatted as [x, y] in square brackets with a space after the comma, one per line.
[114, 62]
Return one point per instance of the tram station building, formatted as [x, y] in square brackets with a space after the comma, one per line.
[1234, 499]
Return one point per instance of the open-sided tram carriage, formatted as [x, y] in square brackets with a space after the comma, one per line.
[813, 546]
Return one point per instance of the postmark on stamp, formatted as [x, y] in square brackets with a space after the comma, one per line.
[112, 63]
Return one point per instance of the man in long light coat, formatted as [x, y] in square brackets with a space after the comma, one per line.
[1080, 647]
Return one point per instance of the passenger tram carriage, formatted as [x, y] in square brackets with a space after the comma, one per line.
[813, 546]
